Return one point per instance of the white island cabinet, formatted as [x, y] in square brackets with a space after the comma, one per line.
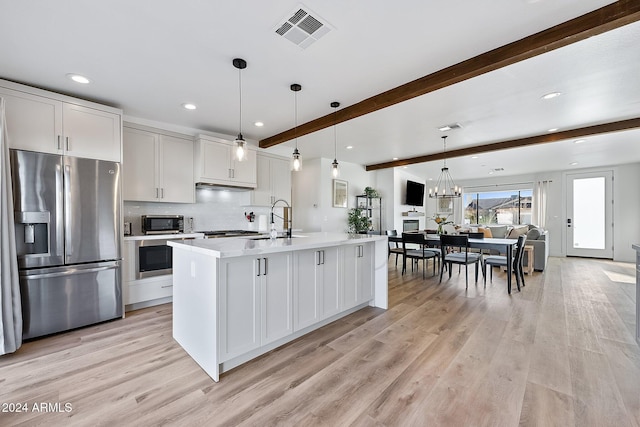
[236, 299]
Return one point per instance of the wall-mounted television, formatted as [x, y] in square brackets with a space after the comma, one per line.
[415, 194]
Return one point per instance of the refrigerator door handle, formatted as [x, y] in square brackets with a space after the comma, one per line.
[69, 272]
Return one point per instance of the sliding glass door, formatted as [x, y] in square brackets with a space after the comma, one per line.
[590, 214]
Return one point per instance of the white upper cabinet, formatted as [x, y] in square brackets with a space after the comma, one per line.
[90, 133]
[215, 163]
[157, 167]
[61, 125]
[274, 180]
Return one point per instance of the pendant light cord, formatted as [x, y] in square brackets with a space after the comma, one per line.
[240, 90]
[295, 128]
[335, 134]
[444, 149]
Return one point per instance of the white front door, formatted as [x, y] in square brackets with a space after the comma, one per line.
[590, 214]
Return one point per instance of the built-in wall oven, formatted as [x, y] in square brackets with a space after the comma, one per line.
[153, 258]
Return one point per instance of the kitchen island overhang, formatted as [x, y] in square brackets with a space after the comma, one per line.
[236, 299]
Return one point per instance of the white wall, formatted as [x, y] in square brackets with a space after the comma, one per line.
[312, 190]
[385, 184]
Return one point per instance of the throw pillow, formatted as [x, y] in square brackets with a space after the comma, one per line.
[499, 231]
[533, 234]
[517, 231]
[486, 231]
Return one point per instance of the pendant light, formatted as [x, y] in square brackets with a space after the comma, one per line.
[296, 161]
[445, 187]
[240, 64]
[334, 166]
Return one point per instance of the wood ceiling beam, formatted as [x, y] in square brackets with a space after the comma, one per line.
[515, 143]
[605, 19]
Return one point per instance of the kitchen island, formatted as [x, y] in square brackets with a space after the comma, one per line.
[236, 299]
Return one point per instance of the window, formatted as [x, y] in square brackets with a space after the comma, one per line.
[498, 207]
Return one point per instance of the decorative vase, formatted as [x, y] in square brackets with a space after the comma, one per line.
[439, 228]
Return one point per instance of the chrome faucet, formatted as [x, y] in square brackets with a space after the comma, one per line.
[285, 218]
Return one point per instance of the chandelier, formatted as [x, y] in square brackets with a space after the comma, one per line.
[445, 188]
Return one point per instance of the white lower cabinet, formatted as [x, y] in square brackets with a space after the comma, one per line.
[152, 288]
[358, 274]
[229, 310]
[277, 297]
[316, 293]
[255, 300]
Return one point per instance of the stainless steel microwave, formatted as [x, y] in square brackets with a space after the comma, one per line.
[162, 224]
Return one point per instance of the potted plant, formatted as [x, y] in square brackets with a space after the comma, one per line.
[358, 223]
[441, 220]
[371, 192]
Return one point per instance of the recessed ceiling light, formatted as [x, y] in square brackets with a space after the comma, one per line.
[474, 157]
[395, 158]
[189, 106]
[259, 124]
[573, 163]
[490, 172]
[78, 78]
[578, 141]
[349, 147]
[404, 167]
[552, 130]
[551, 95]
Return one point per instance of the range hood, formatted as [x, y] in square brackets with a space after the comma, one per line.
[220, 187]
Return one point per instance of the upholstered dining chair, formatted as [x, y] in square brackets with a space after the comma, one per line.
[422, 253]
[394, 248]
[464, 257]
[502, 261]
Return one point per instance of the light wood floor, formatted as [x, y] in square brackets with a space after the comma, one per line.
[559, 353]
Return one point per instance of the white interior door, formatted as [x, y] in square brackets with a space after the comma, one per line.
[590, 214]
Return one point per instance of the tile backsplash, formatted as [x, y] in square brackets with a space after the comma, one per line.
[213, 210]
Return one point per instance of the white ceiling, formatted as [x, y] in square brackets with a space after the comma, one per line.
[149, 57]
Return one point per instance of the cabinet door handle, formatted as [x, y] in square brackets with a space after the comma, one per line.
[259, 265]
[68, 144]
[266, 263]
[318, 258]
[59, 142]
[157, 196]
[322, 253]
[162, 193]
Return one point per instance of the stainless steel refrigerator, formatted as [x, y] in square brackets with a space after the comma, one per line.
[67, 220]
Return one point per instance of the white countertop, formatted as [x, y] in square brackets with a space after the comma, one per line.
[176, 236]
[241, 246]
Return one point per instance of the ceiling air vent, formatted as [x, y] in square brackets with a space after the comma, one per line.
[302, 27]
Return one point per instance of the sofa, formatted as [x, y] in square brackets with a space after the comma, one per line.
[536, 237]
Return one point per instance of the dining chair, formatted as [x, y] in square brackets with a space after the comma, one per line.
[464, 257]
[395, 249]
[502, 261]
[423, 253]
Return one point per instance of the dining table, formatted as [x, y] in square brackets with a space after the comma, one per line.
[505, 246]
